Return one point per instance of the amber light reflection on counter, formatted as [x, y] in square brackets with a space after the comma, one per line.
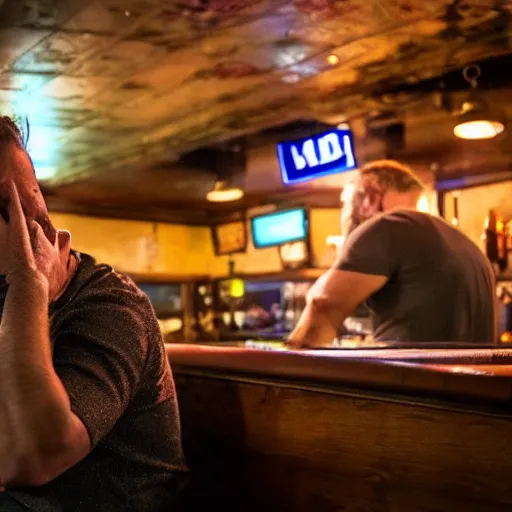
[468, 370]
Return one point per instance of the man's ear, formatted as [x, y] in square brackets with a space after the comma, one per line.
[372, 203]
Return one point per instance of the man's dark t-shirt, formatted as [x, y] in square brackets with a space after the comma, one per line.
[440, 285]
[108, 352]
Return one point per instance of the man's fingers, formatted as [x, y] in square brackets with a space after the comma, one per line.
[15, 208]
[37, 237]
[19, 233]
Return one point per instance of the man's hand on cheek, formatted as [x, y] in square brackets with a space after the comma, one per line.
[29, 255]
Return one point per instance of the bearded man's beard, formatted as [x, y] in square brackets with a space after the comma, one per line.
[364, 207]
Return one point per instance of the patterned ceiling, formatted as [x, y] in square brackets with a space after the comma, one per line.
[117, 90]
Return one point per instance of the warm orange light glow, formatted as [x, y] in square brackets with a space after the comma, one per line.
[220, 194]
[333, 59]
[171, 325]
[475, 130]
[347, 192]
[335, 240]
[506, 337]
[294, 252]
[423, 204]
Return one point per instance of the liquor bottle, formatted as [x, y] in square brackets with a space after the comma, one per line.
[496, 241]
[287, 300]
[508, 243]
[505, 302]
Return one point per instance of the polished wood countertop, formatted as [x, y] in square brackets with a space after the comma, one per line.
[481, 376]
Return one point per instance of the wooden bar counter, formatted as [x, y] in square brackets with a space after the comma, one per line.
[346, 430]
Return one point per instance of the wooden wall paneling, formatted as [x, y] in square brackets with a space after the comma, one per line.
[260, 446]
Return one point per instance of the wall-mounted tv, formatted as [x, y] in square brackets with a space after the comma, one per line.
[229, 238]
[279, 228]
[312, 157]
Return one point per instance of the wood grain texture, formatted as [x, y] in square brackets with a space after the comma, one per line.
[265, 447]
[449, 374]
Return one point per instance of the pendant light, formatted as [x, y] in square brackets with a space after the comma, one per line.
[222, 193]
[229, 163]
[476, 121]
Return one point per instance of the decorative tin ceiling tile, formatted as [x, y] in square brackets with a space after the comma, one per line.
[139, 7]
[39, 14]
[350, 20]
[218, 6]
[174, 70]
[6, 101]
[120, 96]
[175, 27]
[70, 87]
[14, 42]
[103, 19]
[324, 8]
[134, 81]
[401, 11]
[22, 82]
[56, 53]
[123, 59]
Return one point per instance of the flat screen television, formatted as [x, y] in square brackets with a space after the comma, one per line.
[279, 228]
[229, 238]
[319, 155]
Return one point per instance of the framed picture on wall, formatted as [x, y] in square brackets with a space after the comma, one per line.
[229, 237]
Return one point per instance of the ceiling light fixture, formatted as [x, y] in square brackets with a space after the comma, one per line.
[476, 121]
[222, 193]
[476, 124]
[333, 59]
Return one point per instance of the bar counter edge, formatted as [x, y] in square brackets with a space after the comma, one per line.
[470, 376]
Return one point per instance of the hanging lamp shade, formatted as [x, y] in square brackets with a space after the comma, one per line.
[222, 193]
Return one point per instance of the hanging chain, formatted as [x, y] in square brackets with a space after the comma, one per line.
[471, 74]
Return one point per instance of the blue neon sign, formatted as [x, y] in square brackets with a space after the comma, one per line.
[305, 159]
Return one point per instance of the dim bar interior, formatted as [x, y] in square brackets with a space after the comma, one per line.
[206, 150]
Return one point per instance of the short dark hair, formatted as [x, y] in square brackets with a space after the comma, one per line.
[10, 132]
[390, 174]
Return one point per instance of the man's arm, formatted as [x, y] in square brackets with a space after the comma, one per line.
[330, 301]
[367, 260]
[40, 437]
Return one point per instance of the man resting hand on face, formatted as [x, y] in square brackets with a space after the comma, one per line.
[88, 413]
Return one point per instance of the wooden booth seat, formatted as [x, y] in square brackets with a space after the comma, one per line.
[313, 431]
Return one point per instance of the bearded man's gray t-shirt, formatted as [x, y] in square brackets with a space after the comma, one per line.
[440, 285]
